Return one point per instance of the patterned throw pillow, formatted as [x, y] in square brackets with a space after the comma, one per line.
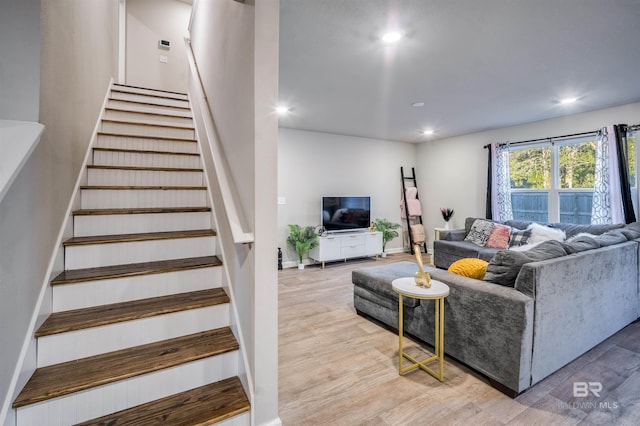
[519, 237]
[499, 237]
[470, 267]
[479, 232]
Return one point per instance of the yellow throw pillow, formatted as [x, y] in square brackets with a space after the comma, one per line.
[470, 267]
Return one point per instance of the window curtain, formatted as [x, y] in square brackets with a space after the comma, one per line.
[611, 191]
[498, 183]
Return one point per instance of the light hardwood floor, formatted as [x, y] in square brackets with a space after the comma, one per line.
[337, 368]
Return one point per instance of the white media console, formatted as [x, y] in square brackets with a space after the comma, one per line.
[345, 246]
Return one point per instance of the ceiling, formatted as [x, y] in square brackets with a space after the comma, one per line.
[476, 65]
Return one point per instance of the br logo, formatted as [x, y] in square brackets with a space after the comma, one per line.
[582, 389]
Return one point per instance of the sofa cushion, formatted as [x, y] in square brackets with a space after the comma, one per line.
[519, 237]
[378, 280]
[580, 242]
[631, 231]
[479, 232]
[540, 233]
[505, 266]
[469, 267]
[499, 237]
[611, 237]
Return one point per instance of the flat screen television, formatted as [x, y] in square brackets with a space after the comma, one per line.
[341, 214]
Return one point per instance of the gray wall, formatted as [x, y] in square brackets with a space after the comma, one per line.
[236, 47]
[20, 60]
[147, 22]
[78, 60]
[313, 164]
[457, 175]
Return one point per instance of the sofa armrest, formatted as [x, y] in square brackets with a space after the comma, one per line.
[580, 300]
[453, 235]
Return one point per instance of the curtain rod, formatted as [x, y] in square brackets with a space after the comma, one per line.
[551, 139]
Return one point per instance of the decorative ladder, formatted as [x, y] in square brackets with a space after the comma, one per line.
[403, 179]
[139, 332]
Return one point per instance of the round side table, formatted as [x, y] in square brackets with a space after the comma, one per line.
[406, 287]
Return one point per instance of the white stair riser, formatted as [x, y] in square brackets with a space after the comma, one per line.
[78, 344]
[135, 115]
[134, 159]
[144, 130]
[119, 177]
[145, 107]
[243, 419]
[96, 255]
[145, 91]
[91, 225]
[141, 198]
[85, 294]
[145, 144]
[105, 399]
[149, 99]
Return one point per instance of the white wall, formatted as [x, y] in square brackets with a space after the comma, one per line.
[79, 57]
[20, 63]
[314, 164]
[147, 22]
[236, 48]
[457, 167]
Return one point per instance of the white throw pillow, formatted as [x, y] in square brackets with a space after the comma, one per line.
[540, 233]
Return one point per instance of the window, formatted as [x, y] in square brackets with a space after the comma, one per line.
[553, 183]
[633, 177]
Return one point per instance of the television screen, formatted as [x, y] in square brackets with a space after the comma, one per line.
[346, 213]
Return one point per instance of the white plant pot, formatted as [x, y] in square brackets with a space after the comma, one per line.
[301, 266]
[384, 254]
[447, 225]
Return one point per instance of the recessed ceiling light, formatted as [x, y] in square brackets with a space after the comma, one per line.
[282, 110]
[417, 104]
[428, 132]
[568, 100]
[391, 37]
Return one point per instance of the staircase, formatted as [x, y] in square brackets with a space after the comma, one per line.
[139, 332]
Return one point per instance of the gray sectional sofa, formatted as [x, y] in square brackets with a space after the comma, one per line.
[516, 335]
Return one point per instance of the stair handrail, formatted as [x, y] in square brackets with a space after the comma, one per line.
[224, 179]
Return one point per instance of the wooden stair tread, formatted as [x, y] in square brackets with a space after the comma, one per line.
[142, 236]
[149, 123]
[143, 210]
[200, 406]
[73, 376]
[146, 151]
[151, 169]
[186, 108]
[175, 114]
[164, 138]
[149, 88]
[116, 187]
[135, 269]
[80, 319]
[151, 95]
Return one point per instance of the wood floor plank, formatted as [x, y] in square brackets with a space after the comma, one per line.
[80, 319]
[201, 406]
[74, 376]
[164, 138]
[145, 236]
[134, 269]
[338, 368]
[143, 210]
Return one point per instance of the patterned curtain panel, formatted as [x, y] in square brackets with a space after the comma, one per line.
[607, 197]
[500, 183]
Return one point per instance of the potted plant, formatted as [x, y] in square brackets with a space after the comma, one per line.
[301, 239]
[389, 232]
